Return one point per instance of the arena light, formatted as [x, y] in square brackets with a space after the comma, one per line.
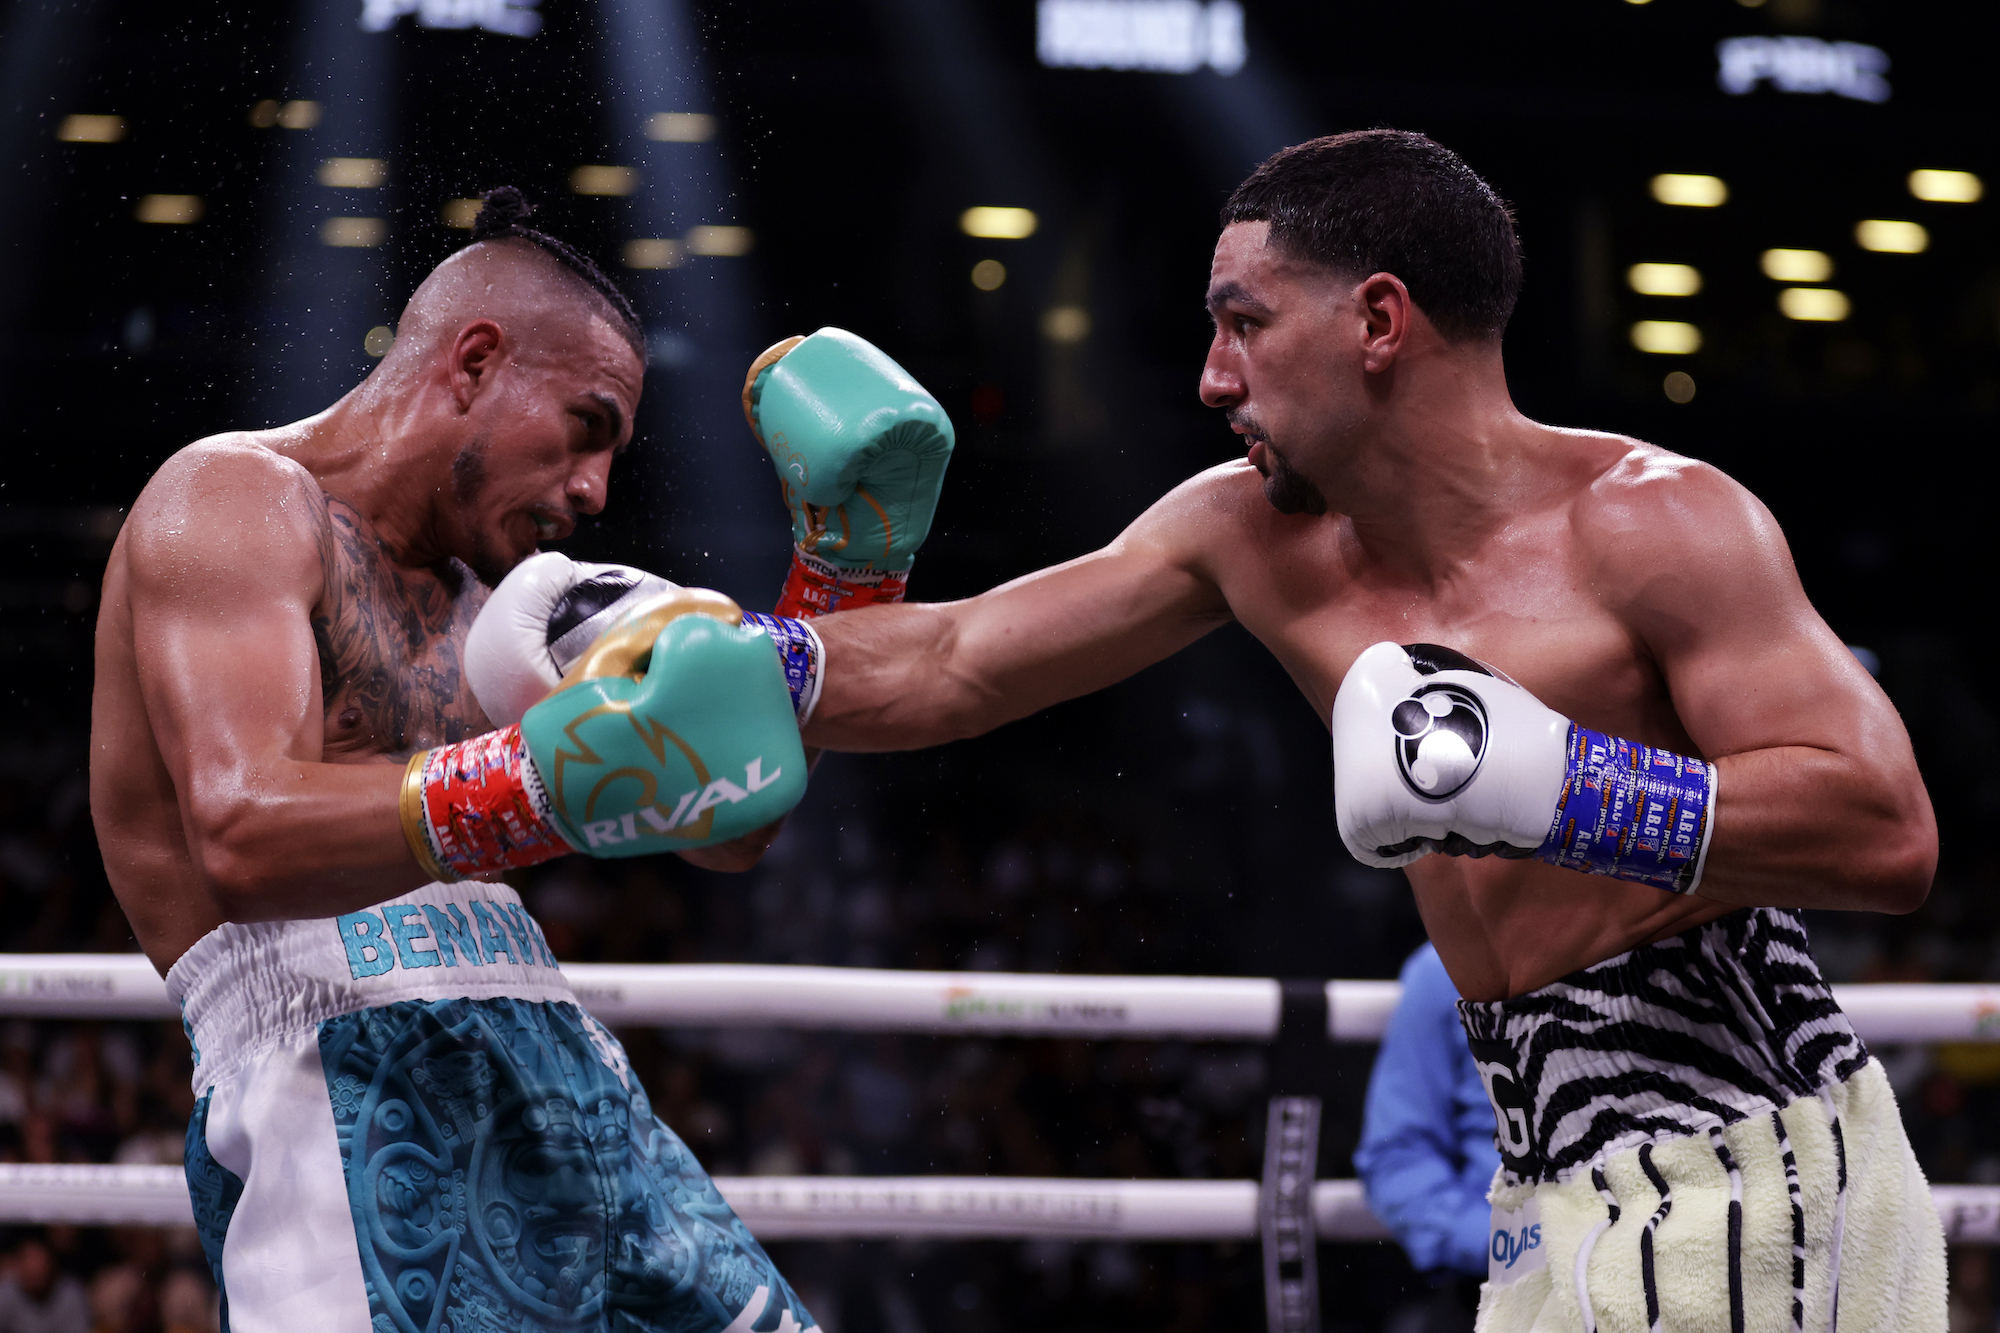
[91, 129]
[1946, 187]
[999, 224]
[169, 209]
[354, 173]
[1802, 65]
[1066, 324]
[1796, 265]
[1664, 279]
[603, 180]
[300, 114]
[1156, 36]
[1666, 337]
[1892, 238]
[1689, 191]
[515, 18]
[989, 275]
[1820, 305]
[654, 253]
[353, 233]
[720, 242]
[680, 127]
[459, 214]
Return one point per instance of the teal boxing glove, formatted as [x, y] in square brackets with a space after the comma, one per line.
[676, 731]
[861, 450]
[700, 749]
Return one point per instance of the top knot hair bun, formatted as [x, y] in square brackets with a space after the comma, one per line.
[502, 211]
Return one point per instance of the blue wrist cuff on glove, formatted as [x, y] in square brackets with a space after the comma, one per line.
[800, 652]
[1632, 811]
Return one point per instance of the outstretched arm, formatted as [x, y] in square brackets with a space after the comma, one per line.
[1819, 802]
[903, 677]
[223, 567]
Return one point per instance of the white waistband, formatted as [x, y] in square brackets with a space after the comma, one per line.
[243, 987]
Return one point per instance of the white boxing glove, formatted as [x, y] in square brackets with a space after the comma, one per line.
[1434, 752]
[539, 621]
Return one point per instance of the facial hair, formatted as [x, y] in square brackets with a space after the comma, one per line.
[1287, 489]
[468, 483]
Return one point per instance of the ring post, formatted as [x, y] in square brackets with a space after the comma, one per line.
[1291, 1161]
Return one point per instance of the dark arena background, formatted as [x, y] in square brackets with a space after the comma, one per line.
[1761, 233]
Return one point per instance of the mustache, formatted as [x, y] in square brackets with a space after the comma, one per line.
[1241, 420]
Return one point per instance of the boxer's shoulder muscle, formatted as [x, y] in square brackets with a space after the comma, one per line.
[1648, 490]
[1215, 517]
[1655, 513]
[224, 505]
[391, 643]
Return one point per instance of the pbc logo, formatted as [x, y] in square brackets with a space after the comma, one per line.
[1440, 739]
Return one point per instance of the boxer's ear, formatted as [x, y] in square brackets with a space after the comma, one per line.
[472, 358]
[1387, 314]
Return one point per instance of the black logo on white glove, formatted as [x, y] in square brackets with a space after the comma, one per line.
[1440, 739]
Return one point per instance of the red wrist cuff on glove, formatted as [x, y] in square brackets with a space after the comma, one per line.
[815, 587]
[476, 808]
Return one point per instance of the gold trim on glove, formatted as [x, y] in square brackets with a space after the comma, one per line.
[416, 824]
[626, 649]
[770, 357]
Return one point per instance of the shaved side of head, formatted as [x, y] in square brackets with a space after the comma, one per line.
[538, 303]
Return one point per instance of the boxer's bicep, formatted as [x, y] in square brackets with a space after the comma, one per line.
[1085, 624]
[1748, 661]
[1819, 801]
[920, 674]
[225, 565]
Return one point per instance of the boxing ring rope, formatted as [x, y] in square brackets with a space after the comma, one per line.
[1021, 1004]
[124, 986]
[888, 1207]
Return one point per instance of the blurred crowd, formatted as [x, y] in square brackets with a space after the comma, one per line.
[1041, 891]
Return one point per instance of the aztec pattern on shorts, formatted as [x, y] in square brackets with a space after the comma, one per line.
[214, 1190]
[1728, 1020]
[507, 1174]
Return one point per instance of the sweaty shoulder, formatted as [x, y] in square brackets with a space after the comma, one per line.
[226, 500]
[1194, 513]
[1662, 527]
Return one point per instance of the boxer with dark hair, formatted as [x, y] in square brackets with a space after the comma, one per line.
[1690, 1131]
[318, 739]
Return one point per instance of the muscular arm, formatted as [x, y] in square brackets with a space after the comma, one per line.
[224, 562]
[903, 677]
[1819, 800]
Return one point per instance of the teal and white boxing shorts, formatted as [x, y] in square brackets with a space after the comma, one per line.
[405, 1124]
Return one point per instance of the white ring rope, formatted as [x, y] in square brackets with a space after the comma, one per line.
[988, 1003]
[888, 1207]
[109, 986]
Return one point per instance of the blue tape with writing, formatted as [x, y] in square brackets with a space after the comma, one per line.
[1631, 811]
[798, 651]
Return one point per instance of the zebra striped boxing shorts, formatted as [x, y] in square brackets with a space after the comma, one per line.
[405, 1124]
[1693, 1138]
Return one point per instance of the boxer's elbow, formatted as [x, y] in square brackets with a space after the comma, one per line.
[968, 709]
[1903, 863]
[243, 865]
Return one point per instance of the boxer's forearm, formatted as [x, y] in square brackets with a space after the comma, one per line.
[1803, 827]
[297, 840]
[890, 681]
[903, 677]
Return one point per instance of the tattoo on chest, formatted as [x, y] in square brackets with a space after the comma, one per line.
[391, 645]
